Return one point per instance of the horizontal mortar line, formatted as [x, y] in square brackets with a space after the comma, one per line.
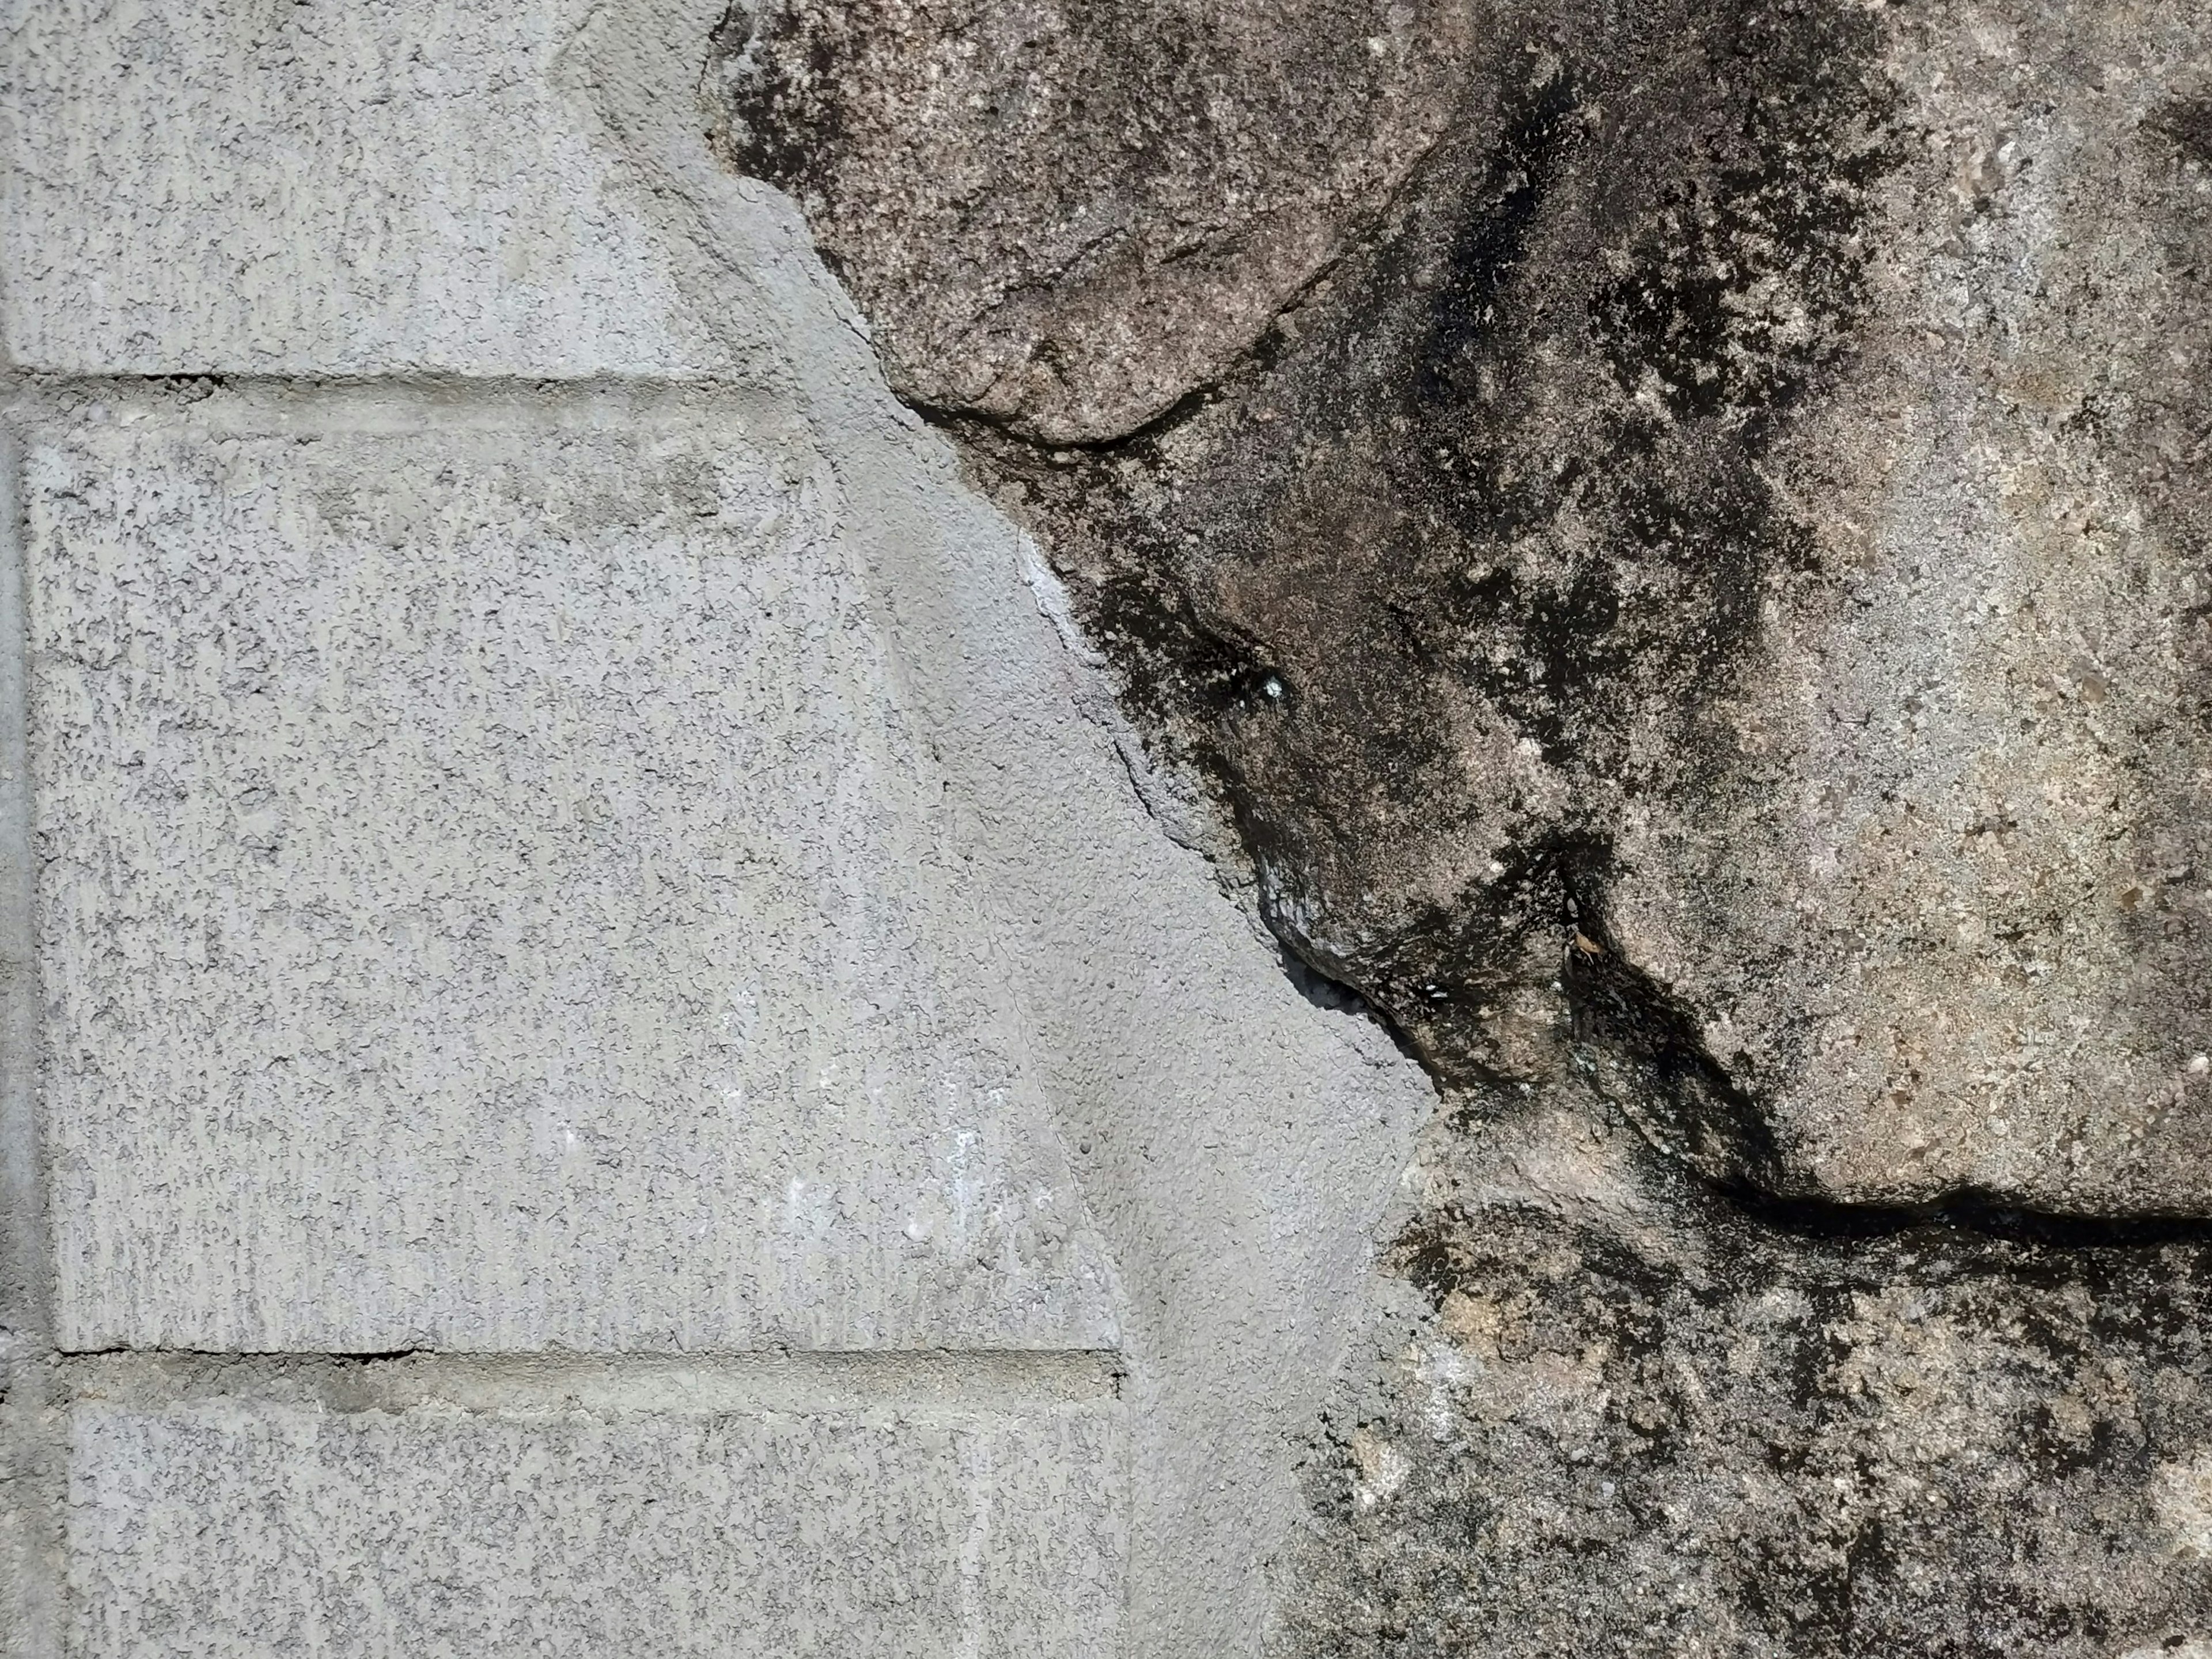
[271, 404]
[957, 1382]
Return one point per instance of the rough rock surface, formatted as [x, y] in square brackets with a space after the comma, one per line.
[1623, 1416]
[1063, 216]
[1736, 505]
[1694, 608]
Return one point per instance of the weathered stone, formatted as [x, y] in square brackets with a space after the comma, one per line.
[1064, 216]
[1699, 616]
[1729, 524]
[1626, 1418]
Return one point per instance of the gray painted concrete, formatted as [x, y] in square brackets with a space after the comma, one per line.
[547, 757]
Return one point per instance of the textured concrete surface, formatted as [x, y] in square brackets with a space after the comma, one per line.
[27, 1482]
[323, 190]
[285, 1517]
[549, 540]
[493, 897]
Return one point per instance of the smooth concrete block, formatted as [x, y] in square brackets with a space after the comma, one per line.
[492, 897]
[321, 189]
[228, 1529]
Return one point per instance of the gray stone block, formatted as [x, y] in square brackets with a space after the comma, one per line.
[322, 190]
[493, 897]
[231, 1528]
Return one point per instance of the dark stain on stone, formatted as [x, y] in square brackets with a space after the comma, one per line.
[1643, 1040]
[1390, 508]
[1770, 232]
[1473, 291]
[1774, 1440]
[789, 137]
[2187, 123]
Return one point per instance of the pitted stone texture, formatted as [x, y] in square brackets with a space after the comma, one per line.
[226, 1529]
[1966, 940]
[493, 895]
[310, 189]
[1060, 217]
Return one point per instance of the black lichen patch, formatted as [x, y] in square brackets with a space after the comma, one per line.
[1472, 284]
[1749, 282]
[783, 128]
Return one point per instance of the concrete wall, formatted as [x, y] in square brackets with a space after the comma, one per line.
[609, 1048]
